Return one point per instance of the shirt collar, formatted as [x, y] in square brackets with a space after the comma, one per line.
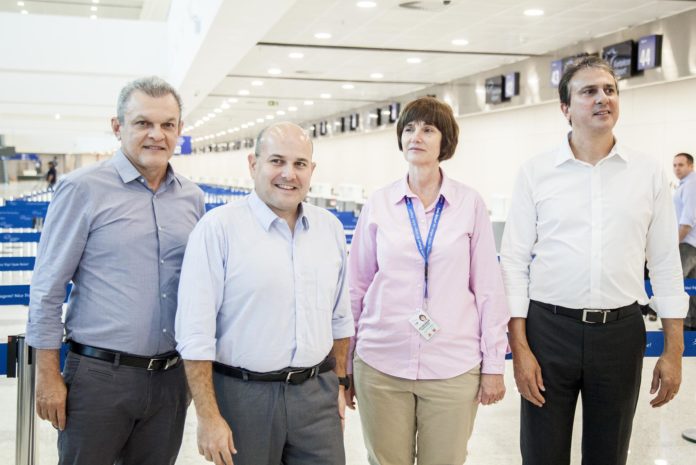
[401, 190]
[265, 216]
[688, 178]
[565, 153]
[129, 173]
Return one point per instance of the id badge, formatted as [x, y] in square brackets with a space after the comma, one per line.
[424, 324]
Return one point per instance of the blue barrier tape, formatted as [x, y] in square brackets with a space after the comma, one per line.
[18, 294]
[20, 237]
[653, 348]
[17, 263]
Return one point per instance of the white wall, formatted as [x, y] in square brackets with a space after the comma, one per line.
[659, 120]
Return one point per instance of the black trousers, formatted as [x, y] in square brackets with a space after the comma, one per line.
[601, 362]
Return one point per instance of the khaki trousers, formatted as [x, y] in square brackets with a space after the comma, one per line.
[403, 420]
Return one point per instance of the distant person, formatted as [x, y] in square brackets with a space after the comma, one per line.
[428, 303]
[685, 205]
[583, 219]
[117, 230]
[51, 176]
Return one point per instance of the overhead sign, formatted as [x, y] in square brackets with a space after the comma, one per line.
[649, 52]
[494, 89]
[622, 57]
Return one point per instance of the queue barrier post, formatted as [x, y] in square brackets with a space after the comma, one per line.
[20, 363]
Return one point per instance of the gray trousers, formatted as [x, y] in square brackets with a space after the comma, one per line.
[688, 261]
[121, 414]
[274, 423]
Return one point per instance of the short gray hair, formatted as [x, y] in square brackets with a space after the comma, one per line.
[152, 86]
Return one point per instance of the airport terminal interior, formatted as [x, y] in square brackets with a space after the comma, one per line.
[343, 70]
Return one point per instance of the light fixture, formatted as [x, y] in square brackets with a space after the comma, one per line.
[24, 12]
[325, 95]
[296, 55]
[534, 12]
[348, 86]
[20, 3]
[224, 105]
[292, 108]
[251, 123]
[259, 120]
[211, 115]
[57, 116]
[95, 1]
[206, 118]
[232, 100]
[257, 83]
[322, 35]
[243, 92]
[309, 102]
[376, 75]
[274, 71]
[270, 117]
[413, 60]
[280, 112]
[244, 126]
[93, 8]
[93, 17]
[461, 42]
[218, 110]
[366, 4]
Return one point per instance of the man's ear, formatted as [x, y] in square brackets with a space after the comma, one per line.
[116, 127]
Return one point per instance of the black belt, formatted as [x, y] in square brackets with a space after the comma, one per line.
[591, 315]
[288, 375]
[161, 362]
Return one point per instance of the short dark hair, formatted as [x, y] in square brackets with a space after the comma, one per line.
[689, 158]
[583, 62]
[431, 111]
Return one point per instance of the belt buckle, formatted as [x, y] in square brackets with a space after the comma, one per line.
[586, 311]
[288, 378]
[171, 362]
[151, 364]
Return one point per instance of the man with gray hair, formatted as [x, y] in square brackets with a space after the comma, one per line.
[264, 318]
[117, 230]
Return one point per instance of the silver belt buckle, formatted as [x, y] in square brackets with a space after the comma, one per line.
[171, 362]
[290, 373]
[150, 366]
[585, 311]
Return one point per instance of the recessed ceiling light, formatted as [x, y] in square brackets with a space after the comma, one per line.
[232, 100]
[251, 123]
[325, 95]
[236, 129]
[95, 1]
[218, 110]
[93, 8]
[413, 60]
[460, 42]
[309, 102]
[366, 4]
[93, 17]
[259, 120]
[211, 115]
[206, 118]
[348, 86]
[376, 75]
[24, 12]
[296, 55]
[280, 112]
[270, 117]
[534, 12]
[274, 71]
[257, 83]
[20, 3]
[230, 131]
[224, 105]
[57, 116]
[243, 92]
[322, 35]
[245, 126]
[292, 108]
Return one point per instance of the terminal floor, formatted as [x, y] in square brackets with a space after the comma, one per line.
[656, 437]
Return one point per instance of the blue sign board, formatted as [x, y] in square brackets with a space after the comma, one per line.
[649, 52]
[556, 72]
[183, 146]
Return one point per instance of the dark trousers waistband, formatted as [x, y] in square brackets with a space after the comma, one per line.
[591, 315]
[288, 375]
[157, 363]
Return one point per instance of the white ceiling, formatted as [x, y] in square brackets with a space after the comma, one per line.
[497, 32]
[494, 27]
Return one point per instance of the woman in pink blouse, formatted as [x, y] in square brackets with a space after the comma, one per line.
[428, 302]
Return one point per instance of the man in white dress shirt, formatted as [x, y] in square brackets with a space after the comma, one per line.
[264, 319]
[583, 220]
[685, 205]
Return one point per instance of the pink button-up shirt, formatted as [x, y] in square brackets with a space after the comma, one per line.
[465, 288]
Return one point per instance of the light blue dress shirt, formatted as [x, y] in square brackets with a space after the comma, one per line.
[685, 205]
[253, 295]
[122, 246]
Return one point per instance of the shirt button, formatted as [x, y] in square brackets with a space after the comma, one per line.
[159, 228]
[164, 330]
[164, 296]
[161, 260]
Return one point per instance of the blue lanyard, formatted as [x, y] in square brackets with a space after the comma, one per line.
[425, 250]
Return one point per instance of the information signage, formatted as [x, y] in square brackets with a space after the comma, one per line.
[512, 85]
[622, 57]
[649, 52]
[494, 89]
[556, 72]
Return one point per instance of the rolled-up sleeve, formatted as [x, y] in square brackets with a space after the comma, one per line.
[487, 285]
[519, 238]
[201, 289]
[62, 243]
[662, 254]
